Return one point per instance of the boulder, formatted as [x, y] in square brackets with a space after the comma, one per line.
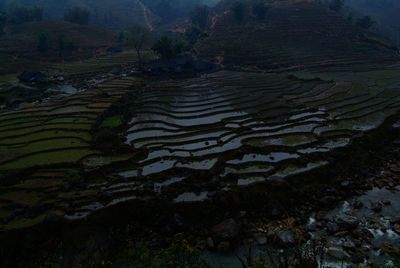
[210, 243]
[376, 206]
[347, 222]
[227, 229]
[332, 227]
[338, 253]
[224, 247]
[286, 237]
[261, 239]
[52, 217]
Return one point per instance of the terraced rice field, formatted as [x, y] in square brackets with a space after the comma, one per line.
[53, 133]
[240, 129]
[233, 128]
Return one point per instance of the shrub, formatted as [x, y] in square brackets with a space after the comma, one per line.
[365, 22]
[239, 10]
[336, 5]
[43, 44]
[3, 21]
[20, 15]
[167, 48]
[77, 15]
[200, 17]
[260, 9]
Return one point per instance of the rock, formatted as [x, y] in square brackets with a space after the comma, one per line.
[224, 247]
[347, 222]
[358, 204]
[395, 170]
[261, 239]
[332, 227]
[376, 206]
[338, 253]
[396, 228]
[385, 202]
[177, 222]
[348, 244]
[397, 143]
[328, 200]
[391, 249]
[357, 258]
[227, 229]
[52, 217]
[394, 220]
[286, 237]
[345, 183]
[210, 243]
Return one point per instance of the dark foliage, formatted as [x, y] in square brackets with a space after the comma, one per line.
[167, 48]
[3, 21]
[77, 15]
[43, 44]
[20, 15]
[365, 22]
[336, 5]
[200, 16]
[239, 10]
[260, 9]
[193, 34]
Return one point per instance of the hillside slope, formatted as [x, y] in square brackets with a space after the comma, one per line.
[19, 46]
[292, 36]
[115, 14]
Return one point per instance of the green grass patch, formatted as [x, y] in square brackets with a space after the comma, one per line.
[49, 158]
[24, 198]
[12, 133]
[378, 40]
[112, 121]
[46, 145]
[5, 213]
[23, 125]
[47, 135]
[40, 184]
[24, 223]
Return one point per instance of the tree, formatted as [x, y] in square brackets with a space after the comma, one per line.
[200, 17]
[43, 44]
[167, 48]
[365, 22]
[193, 34]
[336, 5]
[20, 15]
[2, 5]
[239, 10]
[137, 37]
[3, 21]
[77, 15]
[260, 9]
[37, 13]
[350, 17]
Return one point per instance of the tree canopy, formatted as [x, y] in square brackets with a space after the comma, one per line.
[168, 48]
[77, 15]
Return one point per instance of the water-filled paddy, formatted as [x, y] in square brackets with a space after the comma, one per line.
[191, 139]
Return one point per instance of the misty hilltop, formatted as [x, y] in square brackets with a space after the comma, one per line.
[114, 14]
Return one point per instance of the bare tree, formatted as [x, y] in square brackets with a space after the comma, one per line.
[137, 37]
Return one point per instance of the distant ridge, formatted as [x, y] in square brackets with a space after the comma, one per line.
[300, 35]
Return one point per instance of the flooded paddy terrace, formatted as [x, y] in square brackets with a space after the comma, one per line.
[190, 140]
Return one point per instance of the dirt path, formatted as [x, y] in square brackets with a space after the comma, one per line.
[146, 15]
